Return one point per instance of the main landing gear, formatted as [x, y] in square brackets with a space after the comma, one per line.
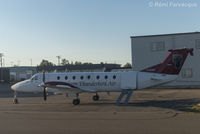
[77, 100]
[95, 97]
[15, 100]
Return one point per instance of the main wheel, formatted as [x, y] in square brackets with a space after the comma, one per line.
[96, 97]
[76, 101]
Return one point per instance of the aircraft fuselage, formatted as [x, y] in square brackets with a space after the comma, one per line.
[95, 81]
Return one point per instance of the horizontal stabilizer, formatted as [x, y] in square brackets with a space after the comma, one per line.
[155, 79]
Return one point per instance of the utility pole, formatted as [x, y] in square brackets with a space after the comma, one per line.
[58, 60]
[31, 62]
[1, 60]
[4, 63]
[11, 63]
[18, 63]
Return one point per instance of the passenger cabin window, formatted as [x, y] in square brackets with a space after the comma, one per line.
[114, 76]
[66, 77]
[106, 77]
[74, 77]
[81, 77]
[88, 77]
[97, 77]
[58, 77]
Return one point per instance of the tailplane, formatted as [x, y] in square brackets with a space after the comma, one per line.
[172, 63]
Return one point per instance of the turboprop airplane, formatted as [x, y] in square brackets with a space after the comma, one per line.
[94, 82]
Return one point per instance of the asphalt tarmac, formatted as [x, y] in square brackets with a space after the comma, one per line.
[150, 111]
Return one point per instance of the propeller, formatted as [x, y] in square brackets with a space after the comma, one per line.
[45, 91]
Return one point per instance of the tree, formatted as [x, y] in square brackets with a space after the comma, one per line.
[86, 63]
[128, 65]
[77, 63]
[64, 62]
[46, 63]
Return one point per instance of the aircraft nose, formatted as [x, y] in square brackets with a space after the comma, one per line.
[14, 87]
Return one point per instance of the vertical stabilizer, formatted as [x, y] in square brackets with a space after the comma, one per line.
[172, 63]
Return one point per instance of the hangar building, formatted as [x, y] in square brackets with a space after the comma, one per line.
[149, 50]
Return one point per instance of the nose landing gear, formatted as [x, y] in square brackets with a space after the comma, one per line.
[15, 100]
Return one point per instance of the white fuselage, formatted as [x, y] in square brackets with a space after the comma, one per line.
[96, 81]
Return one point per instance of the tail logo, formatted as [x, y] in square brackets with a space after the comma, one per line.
[177, 60]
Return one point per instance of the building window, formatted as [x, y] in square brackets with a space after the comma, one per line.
[157, 46]
[187, 73]
[97, 77]
[81, 77]
[74, 77]
[197, 43]
[66, 77]
[58, 77]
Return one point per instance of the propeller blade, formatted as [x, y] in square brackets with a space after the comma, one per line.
[43, 78]
[44, 92]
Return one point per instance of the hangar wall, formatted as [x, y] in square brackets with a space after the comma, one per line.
[153, 49]
[4, 75]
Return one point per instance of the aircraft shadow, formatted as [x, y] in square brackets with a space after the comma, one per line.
[176, 104]
[10, 94]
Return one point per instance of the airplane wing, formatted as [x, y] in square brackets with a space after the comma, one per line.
[64, 86]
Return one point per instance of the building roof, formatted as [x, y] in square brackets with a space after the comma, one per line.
[165, 35]
[21, 68]
[79, 67]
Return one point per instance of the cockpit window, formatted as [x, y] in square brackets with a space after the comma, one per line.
[35, 77]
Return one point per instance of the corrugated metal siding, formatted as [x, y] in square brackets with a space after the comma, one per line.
[143, 57]
[5, 75]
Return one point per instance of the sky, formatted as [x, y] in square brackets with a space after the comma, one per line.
[87, 30]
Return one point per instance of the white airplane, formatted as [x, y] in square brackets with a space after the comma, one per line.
[94, 82]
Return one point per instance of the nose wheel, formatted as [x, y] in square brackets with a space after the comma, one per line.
[15, 101]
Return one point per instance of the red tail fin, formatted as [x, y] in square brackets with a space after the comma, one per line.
[173, 63]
